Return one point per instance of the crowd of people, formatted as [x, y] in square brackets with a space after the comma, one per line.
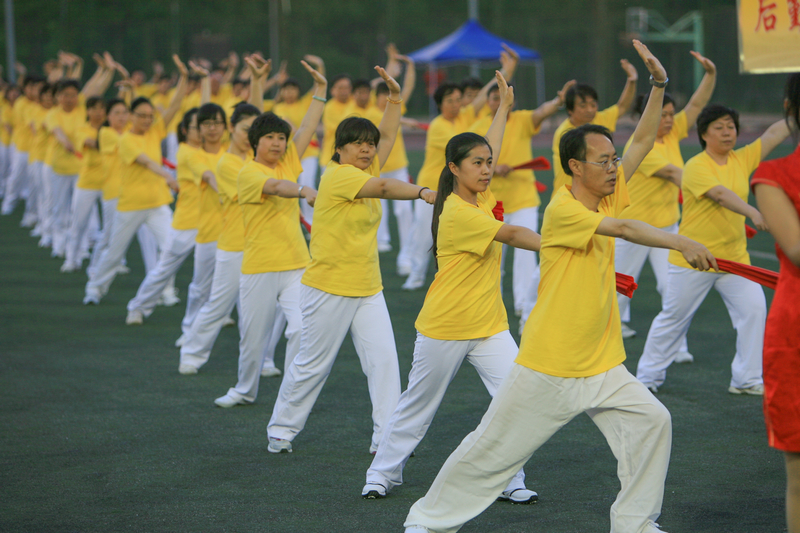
[297, 253]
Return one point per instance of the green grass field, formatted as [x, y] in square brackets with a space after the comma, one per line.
[100, 432]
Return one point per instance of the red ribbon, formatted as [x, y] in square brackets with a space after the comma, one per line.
[750, 232]
[167, 163]
[537, 163]
[305, 224]
[498, 211]
[762, 276]
[626, 285]
[423, 126]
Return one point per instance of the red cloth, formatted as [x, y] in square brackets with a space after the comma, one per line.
[305, 224]
[423, 126]
[782, 335]
[762, 276]
[750, 232]
[541, 187]
[626, 285]
[78, 155]
[498, 211]
[167, 163]
[537, 163]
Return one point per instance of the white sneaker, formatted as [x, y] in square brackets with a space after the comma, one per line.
[684, 357]
[270, 372]
[134, 317]
[403, 270]
[93, 299]
[279, 445]
[416, 529]
[373, 491]
[169, 298]
[652, 388]
[523, 496]
[68, 268]
[413, 284]
[181, 340]
[122, 270]
[228, 322]
[228, 401]
[384, 247]
[755, 390]
[187, 370]
[627, 332]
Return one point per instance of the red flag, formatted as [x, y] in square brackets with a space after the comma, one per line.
[498, 211]
[626, 285]
[305, 224]
[167, 163]
[541, 187]
[538, 163]
[750, 232]
[762, 276]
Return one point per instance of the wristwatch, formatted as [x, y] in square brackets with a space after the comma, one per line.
[659, 84]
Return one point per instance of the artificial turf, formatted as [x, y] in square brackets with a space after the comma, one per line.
[100, 433]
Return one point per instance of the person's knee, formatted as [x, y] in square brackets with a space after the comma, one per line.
[658, 417]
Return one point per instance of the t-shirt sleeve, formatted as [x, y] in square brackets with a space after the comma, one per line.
[198, 163]
[129, 149]
[438, 135]
[698, 177]
[572, 225]
[474, 230]
[481, 127]
[250, 185]
[654, 161]
[50, 122]
[608, 117]
[348, 181]
[227, 187]
[526, 119]
[108, 141]
[750, 155]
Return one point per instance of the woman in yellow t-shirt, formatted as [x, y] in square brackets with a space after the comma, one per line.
[341, 288]
[715, 185]
[463, 316]
[38, 174]
[145, 191]
[654, 192]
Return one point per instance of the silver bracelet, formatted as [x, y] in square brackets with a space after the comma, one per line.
[300, 191]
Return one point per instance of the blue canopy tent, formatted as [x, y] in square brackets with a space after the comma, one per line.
[471, 44]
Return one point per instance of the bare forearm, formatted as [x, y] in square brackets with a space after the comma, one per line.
[175, 103]
[308, 126]
[519, 237]
[393, 189]
[495, 133]
[389, 126]
[644, 136]
[256, 93]
[626, 98]
[774, 135]
[639, 232]
[545, 110]
[700, 98]
[282, 188]
[731, 201]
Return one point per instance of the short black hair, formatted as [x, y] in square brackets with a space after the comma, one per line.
[239, 81]
[47, 87]
[139, 101]
[242, 110]
[713, 112]
[340, 77]
[584, 91]
[382, 88]
[573, 143]
[642, 99]
[444, 90]
[92, 101]
[291, 82]
[471, 83]
[355, 130]
[66, 84]
[183, 125]
[495, 89]
[33, 78]
[265, 124]
[114, 101]
[360, 84]
[210, 111]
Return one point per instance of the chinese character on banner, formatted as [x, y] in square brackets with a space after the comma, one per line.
[794, 14]
[768, 41]
[767, 20]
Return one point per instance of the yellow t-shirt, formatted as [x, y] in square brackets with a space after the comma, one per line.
[344, 239]
[440, 131]
[273, 239]
[464, 301]
[231, 238]
[141, 188]
[108, 138]
[64, 162]
[704, 220]
[91, 175]
[574, 331]
[517, 189]
[38, 149]
[147, 89]
[335, 112]
[209, 225]
[655, 200]
[397, 157]
[607, 117]
[294, 113]
[187, 206]
[21, 136]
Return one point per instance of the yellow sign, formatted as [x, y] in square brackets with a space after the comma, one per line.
[769, 36]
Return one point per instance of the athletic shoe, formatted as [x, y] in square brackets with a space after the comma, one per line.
[652, 527]
[403, 270]
[270, 372]
[413, 284]
[227, 401]
[279, 445]
[684, 357]
[373, 491]
[28, 221]
[180, 341]
[523, 496]
[123, 269]
[228, 322]
[384, 247]
[93, 299]
[45, 242]
[36, 231]
[755, 390]
[652, 388]
[416, 529]
[134, 318]
[169, 297]
[627, 332]
[68, 268]
[187, 369]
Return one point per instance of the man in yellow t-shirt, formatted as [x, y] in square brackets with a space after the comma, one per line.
[339, 107]
[581, 101]
[570, 358]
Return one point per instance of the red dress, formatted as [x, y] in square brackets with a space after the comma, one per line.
[782, 336]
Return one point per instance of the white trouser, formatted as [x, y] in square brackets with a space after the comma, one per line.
[46, 174]
[686, 290]
[435, 364]
[205, 255]
[528, 409]
[109, 209]
[261, 296]
[172, 147]
[419, 251]
[179, 245]
[18, 167]
[404, 213]
[32, 198]
[326, 319]
[126, 223]
[308, 178]
[83, 201]
[525, 275]
[62, 188]
[42, 184]
[3, 167]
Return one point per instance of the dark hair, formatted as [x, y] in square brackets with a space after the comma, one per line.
[642, 99]
[361, 84]
[458, 148]
[210, 111]
[495, 89]
[265, 124]
[584, 91]
[47, 87]
[114, 101]
[573, 143]
[382, 88]
[713, 112]
[291, 82]
[239, 81]
[139, 101]
[471, 83]
[340, 77]
[33, 78]
[195, 78]
[66, 84]
[354, 130]
[442, 91]
[183, 125]
[792, 110]
[92, 101]
[241, 111]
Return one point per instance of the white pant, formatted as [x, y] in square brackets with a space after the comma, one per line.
[260, 295]
[421, 240]
[179, 245]
[528, 409]
[3, 167]
[62, 187]
[16, 178]
[326, 319]
[126, 223]
[143, 235]
[308, 178]
[686, 290]
[33, 196]
[172, 147]
[84, 201]
[404, 213]
[525, 281]
[43, 195]
[205, 255]
[435, 364]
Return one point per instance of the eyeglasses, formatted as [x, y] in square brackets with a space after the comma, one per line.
[212, 123]
[605, 164]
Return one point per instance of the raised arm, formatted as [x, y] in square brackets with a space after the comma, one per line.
[258, 68]
[731, 201]
[410, 78]
[703, 93]
[774, 135]
[629, 92]
[645, 134]
[781, 216]
[549, 108]
[90, 88]
[180, 91]
[509, 59]
[498, 127]
[205, 81]
[305, 131]
[233, 64]
[390, 123]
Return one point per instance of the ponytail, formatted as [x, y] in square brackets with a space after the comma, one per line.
[446, 182]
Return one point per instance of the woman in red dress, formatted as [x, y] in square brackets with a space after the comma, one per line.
[776, 185]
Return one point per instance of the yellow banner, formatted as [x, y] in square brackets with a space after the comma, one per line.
[769, 36]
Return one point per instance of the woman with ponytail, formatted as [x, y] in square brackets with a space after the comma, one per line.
[463, 316]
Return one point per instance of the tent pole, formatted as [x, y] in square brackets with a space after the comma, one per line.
[11, 43]
[541, 95]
